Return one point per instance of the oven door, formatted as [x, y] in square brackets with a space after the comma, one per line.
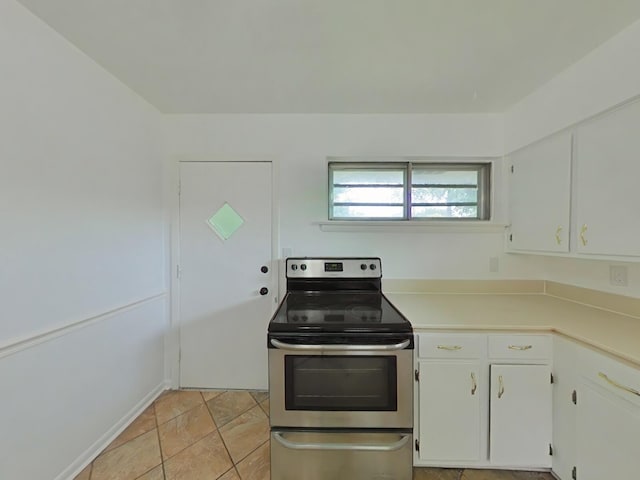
[341, 386]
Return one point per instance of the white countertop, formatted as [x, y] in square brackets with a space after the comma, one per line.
[614, 333]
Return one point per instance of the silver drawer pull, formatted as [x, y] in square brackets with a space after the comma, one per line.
[449, 347]
[618, 385]
[474, 384]
[350, 348]
[520, 347]
[385, 447]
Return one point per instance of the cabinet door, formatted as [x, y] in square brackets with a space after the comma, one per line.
[607, 429]
[520, 419]
[539, 198]
[607, 172]
[566, 361]
[449, 411]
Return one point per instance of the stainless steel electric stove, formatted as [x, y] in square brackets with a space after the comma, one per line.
[340, 375]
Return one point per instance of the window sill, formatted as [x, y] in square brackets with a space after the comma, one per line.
[415, 226]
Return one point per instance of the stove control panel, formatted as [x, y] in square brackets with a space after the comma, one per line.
[312, 267]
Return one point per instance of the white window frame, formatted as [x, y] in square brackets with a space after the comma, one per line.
[484, 169]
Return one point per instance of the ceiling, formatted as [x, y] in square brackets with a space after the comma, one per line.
[335, 56]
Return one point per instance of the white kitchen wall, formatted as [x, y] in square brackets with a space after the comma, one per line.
[299, 146]
[608, 76]
[605, 78]
[81, 252]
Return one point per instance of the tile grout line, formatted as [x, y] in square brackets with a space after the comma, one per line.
[251, 452]
[190, 445]
[233, 465]
[240, 413]
[155, 416]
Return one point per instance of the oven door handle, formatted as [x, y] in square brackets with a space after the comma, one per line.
[386, 447]
[349, 348]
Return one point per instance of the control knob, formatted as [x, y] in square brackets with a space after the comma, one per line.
[294, 267]
[303, 266]
[372, 266]
[363, 266]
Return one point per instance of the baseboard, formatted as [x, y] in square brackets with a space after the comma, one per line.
[90, 453]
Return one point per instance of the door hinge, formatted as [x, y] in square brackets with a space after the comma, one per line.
[178, 271]
[574, 397]
[417, 444]
[574, 473]
[550, 449]
[511, 237]
[416, 374]
[511, 168]
[552, 379]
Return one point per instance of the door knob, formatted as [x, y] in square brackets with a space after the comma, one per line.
[264, 291]
[264, 269]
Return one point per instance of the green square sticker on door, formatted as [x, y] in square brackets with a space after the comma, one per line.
[225, 222]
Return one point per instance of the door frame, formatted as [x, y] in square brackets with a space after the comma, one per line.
[171, 196]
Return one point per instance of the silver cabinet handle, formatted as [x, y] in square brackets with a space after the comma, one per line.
[387, 447]
[500, 386]
[618, 385]
[449, 347]
[474, 384]
[520, 347]
[349, 348]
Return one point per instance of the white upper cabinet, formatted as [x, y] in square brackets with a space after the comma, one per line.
[607, 194]
[540, 196]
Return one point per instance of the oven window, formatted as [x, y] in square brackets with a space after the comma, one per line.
[332, 383]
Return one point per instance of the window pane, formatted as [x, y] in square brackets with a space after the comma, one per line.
[441, 176]
[374, 195]
[444, 212]
[367, 212]
[368, 177]
[444, 195]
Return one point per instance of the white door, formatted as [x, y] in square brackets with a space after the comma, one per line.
[223, 313]
[520, 417]
[449, 411]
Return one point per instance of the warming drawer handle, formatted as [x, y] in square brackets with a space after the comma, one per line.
[350, 348]
[385, 447]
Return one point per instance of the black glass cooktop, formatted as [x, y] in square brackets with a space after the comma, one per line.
[338, 312]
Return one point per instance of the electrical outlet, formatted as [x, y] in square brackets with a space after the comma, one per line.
[618, 275]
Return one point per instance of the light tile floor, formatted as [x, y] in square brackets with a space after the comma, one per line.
[217, 435]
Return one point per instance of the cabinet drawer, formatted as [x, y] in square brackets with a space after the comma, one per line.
[520, 346]
[451, 346]
[617, 378]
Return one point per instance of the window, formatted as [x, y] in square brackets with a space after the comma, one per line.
[408, 191]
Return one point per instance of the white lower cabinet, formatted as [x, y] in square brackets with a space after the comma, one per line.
[520, 416]
[454, 414]
[487, 401]
[566, 359]
[449, 411]
[607, 436]
[596, 415]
